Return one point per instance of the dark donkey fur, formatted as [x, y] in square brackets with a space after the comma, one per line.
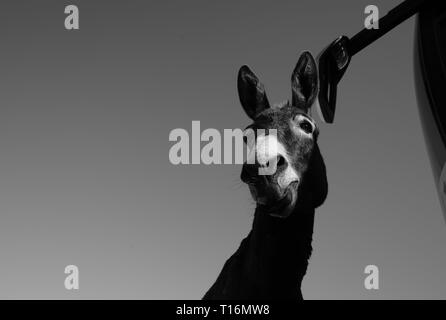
[272, 260]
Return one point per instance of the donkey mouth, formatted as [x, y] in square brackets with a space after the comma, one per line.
[280, 208]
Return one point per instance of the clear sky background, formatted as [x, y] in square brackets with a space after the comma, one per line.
[86, 179]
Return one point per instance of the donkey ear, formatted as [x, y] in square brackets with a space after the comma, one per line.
[251, 93]
[304, 81]
[316, 178]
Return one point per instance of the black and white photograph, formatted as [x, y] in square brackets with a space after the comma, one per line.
[248, 150]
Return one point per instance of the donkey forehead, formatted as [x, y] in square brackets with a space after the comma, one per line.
[279, 117]
[284, 121]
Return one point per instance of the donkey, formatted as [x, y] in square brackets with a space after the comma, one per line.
[272, 260]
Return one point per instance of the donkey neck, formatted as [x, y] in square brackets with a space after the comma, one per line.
[279, 250]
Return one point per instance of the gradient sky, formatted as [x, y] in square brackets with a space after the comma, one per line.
[85, 176]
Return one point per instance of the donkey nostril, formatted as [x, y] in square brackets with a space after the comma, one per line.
[249, 171]
[280, 161]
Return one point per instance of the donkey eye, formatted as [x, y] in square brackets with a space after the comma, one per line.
[306, 126]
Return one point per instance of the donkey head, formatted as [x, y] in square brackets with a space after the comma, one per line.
[294, 170]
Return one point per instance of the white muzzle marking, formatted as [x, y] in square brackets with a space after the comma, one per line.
[267, 149]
